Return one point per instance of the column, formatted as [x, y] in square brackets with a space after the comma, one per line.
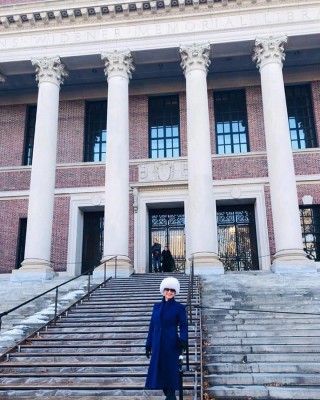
[36, 265]
[290, 257]
[118, 69]
[201, 217]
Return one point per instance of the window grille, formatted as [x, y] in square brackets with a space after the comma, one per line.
[310, 226]
[300, 115]
[164, 127]
[29, 134]
[231, 122]
[95, 131]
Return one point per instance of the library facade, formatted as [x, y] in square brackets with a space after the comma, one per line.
[193, 122]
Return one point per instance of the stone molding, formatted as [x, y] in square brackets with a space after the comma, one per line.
[49, 69]
[64, 15]
[195, 57]
[163, 171]
[269, 50]
[118, 63]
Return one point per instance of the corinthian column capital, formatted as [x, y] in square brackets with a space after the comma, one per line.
[49, 69]
[269, 50]
[195, 57]
[118, 63]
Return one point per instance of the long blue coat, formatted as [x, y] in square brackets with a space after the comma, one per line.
[163, 337]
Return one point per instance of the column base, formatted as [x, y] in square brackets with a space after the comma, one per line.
[116, 268]
[33, 270]
[292, 262]
[207, 264]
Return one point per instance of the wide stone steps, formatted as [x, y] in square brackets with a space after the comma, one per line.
[97, 348]
[261, 336]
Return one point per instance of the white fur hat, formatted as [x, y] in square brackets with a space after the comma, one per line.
[170, 283]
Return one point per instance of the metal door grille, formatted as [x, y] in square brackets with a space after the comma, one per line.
[167, 225]
[237, 243]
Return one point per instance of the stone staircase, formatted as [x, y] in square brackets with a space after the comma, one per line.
[97, 348]
[21, 322]
[271, 349]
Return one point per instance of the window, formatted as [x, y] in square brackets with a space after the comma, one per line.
[164, 129]
[300, 115]
[21, 241]
[29, 134]
[231, 122]
[95, 131]
[310, 226]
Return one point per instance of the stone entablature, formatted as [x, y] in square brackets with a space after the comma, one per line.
[234, 22]
[61, 14]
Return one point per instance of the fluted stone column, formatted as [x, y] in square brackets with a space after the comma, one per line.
[36, 265]
[118, 69]
[202, 226]
[290, 257]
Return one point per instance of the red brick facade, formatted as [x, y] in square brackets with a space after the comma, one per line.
[71, 175]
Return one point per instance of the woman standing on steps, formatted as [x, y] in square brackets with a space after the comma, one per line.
[165, 342]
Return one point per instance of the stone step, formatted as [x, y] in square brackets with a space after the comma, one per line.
[261, 333]
[260, 348]
[264, 392]
[232, 357]
[263, 367]
[229, 326]
[263, 378]
[261, 340]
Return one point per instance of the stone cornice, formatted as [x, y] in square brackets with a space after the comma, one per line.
[41, 15]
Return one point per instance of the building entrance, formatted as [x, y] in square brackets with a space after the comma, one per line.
[237, 239]
[167, 225]
[92, 247]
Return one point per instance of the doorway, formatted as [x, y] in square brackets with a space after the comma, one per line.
[237, 239]
[168, 226]
[92, 247]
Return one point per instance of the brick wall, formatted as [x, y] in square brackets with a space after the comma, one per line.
[315, 91]
[138, 127]
[230, 167]
[257, 140]
[269, 222]
[306, 163]
[12, 130]
[59, 245]
[183, 125]
[86, 176]
[10, 213]
[313, 190]
[70, 150]
[71, 131]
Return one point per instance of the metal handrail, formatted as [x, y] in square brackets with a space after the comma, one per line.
[56, 288]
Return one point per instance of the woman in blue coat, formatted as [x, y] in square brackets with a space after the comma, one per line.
[165, 341]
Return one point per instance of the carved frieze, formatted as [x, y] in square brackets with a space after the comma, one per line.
[163, 171]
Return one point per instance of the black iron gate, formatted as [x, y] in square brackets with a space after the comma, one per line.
[237, 239]
[167, 225]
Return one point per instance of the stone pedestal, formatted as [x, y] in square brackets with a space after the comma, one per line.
[33, 270]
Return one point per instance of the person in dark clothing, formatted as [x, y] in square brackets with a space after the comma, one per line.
[156, 255]
[165, 341]
[167, 260]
